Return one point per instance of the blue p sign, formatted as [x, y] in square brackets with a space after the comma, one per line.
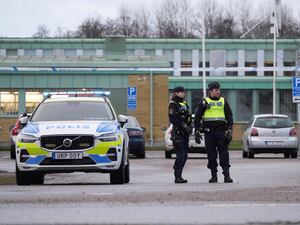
[131, 90]
[131, 98]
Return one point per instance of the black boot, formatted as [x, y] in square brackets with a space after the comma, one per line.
[178, 177]
[214, 177]
[180, 180]
[227, 178]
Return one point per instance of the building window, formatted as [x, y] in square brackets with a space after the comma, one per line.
[30, 52]
[89, 52]
[70, 52]
[289, 61]
[9, 102]
[231, 61]
[169, 54]
[150, 52]
[244, 105]
[186, 62]
[206, 66]
[11, 52]
[286, 104]
[265, 101]
[48, 52]
[32, 100]
[130, 52]
[186, 65]
[268, 62]
[251, 61]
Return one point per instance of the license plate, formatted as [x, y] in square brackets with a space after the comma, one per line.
[67, 155]
[274, 143]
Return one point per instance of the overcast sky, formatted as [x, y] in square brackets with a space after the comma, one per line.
[20, 18]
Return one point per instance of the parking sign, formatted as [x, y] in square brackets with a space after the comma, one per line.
[131, 98]
[296, 89]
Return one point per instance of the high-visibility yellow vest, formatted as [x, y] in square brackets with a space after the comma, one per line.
[215, 111]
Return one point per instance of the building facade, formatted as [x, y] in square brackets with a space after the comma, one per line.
[244, 68]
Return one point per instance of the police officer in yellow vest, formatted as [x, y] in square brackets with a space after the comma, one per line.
[180, 118]
[213, 116]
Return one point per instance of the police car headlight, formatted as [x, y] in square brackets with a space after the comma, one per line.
[27, 138]
[108, 137]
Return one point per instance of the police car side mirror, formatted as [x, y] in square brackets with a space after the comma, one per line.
[122, 120]
[24, 120]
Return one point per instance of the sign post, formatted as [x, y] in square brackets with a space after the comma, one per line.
[131, 98]
[296, 99]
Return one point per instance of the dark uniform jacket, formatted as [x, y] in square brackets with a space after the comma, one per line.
[179, 115]
[202, 106]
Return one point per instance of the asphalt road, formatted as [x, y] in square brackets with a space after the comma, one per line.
[266, 190]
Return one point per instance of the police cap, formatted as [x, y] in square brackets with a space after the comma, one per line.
[213, 85]
[178, 89]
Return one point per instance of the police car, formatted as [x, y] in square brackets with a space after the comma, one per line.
[72, 134]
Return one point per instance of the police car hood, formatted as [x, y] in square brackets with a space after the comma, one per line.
[70, 127]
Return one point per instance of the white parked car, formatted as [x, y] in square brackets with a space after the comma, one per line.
[270, 133]
[193, 146]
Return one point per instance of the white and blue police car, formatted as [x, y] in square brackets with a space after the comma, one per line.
[72, 134]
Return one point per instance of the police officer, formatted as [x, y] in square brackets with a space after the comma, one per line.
[180, 117]
[213, 116]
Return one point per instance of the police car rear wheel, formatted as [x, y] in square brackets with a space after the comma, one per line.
[22, 178]
[127, 173]
[12, 151]
[245, 154]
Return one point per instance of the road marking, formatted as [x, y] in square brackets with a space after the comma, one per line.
[251, 204]
[101, 193]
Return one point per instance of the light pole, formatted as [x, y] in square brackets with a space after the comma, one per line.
[203, 49]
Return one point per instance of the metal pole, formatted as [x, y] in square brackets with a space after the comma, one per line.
[203, 49]
[274, 66]
[298, 112]
[151, 108]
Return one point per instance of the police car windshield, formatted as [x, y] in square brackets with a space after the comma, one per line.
[73, 110]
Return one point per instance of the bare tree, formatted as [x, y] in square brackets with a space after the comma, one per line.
[42, 31]
[168, 22]
[290, 27]
[63, 32]
[183, 19]
[212, 14]
[141, 23]
[111, 27]
[91, 28]
[124, 20]
[186, 15]
[244, 18]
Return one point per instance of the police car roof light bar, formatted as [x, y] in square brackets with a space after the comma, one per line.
[76, 94]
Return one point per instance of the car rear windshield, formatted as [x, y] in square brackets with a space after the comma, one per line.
[273, 122]
[72, 110]
[132, 123]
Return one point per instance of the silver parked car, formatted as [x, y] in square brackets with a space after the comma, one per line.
[270, 133]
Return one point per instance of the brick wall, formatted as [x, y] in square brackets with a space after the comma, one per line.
[160, 102]
[5, 123]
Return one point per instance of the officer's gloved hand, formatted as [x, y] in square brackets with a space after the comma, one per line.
[228, 135]
[188, 129]
[198, 137]
[205, 105]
